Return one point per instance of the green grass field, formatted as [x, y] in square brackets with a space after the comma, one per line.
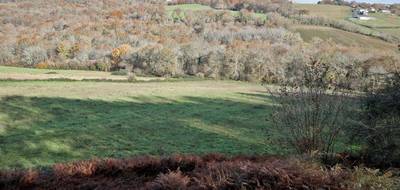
[381, 20]
[198, 7]
[308, 32]
[391, 31]
[330, 11]
[386, 23]
[47, 122]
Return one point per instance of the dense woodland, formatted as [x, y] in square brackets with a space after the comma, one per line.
[144, 38]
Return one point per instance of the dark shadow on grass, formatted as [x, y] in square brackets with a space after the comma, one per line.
[40, 131]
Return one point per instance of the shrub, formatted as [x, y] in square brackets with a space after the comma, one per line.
[171, 180]
[155, 60]
[310, 111]
[63, 50]
[366, 178]
[276, 20]
[120, 51]
[33, 55]
[380, 130]
[244, 17]
[68, 49]
[6, 57]
[103, 64]
[42, 65]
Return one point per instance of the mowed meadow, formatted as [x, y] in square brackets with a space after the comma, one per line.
[63, 121]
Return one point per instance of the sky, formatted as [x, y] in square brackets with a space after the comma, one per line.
[368, 1]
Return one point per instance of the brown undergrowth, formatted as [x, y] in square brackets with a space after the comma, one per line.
[181, 172]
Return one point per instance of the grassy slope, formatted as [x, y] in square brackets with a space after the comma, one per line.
[386, 23]
[382, 20]
[198, 7]
[19, 73]
[45, 122]
[391, 31]
[330, 11]
[343, 37]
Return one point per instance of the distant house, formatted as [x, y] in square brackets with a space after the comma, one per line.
[361, 14]
[385, 11]
[372, 10]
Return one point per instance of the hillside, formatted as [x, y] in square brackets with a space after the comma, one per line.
[386, 23]
[391, 31]
[308, 32]
[381, 21]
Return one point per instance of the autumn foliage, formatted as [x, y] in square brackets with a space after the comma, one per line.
[146, 37]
